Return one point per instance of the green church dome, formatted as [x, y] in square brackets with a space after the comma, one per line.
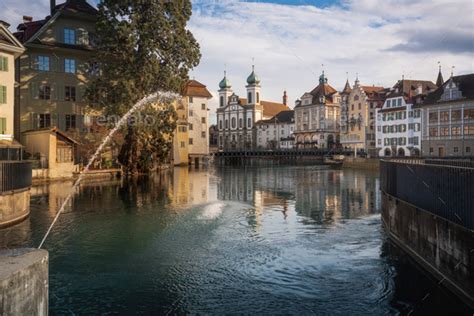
[253, 78]
[225, 83]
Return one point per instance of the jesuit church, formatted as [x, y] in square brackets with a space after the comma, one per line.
[236, 116]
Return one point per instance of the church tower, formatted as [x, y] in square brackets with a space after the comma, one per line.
[253, 88]
[225, 91]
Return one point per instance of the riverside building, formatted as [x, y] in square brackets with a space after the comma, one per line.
[448, 119]
[236, 117]
[399, 120]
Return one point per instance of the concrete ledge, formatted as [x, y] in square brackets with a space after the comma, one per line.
[14, 207]
[24, 282]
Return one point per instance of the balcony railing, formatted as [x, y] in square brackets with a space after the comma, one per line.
[14, 175]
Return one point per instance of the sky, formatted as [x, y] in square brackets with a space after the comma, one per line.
[292, 41]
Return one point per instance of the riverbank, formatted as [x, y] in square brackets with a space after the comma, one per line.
[372, 164]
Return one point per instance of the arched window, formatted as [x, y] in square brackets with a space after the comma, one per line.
[258, 97]
[233, 122]
[249, 122]
[220, 124]
[222, 101]
[226, 123]
[250, 98]
[240, 123]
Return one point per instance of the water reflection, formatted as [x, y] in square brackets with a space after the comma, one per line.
[289, 240]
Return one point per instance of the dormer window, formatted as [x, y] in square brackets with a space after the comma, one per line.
[451, 92]
[70, 36]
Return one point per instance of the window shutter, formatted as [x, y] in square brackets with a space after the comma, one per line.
[3, 125]
[5, 63]
[34, 90]
[54, 91]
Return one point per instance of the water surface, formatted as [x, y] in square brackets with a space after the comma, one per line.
[232, 240]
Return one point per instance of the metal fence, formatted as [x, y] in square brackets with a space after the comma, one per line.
[14, 175]
[444, 190]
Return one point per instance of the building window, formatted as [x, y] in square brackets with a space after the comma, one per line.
[3, 63]
[226, 123]
[433, 131]
[70, 36]
[399, 102]
[3, 125]
[468, 149]
[249, 122]
[3, 94]
[433, 117]
[456, 131]
[183, 144]
[455, 149]
[444, 116]
[190, 99]
[431, 149]
[258, 97]
[455, 115]
[70, 121]
[221, 102]
[469, 114]
[388, 103]
[191, 126]
[469, 130]
[70, 65]
[203, 120]
[190, 141]
[360, 106]
[233, 122]
[69, 93]
[241, 122]
[44, 92]
[182, 129]
[352, 107]
[203, 106]
[220, 124]
[203, 134]
[191, 113]
[42, 63]
[63, 154]
[444, 131]
[44, 120]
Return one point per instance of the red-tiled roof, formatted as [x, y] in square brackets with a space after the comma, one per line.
[269, 108]
[194, 88]
[371, 89]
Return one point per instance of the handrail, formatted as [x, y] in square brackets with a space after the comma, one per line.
[15, 175]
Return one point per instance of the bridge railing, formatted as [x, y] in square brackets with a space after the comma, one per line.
[15, 175]
[443, 190]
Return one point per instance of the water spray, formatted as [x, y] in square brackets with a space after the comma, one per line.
[157, 97]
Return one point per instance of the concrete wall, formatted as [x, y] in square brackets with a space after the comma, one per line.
[361, 163]
[14, 207]
[440, 246]
[24, 282]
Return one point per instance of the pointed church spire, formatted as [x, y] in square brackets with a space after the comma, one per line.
[347, 88]
[440, 80]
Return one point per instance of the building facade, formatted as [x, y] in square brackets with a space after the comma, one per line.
[236, 117]
[399, 121]
[344, 121]
[448, 119]
[277, 132]
[197, 97]
[53, 71]
[317, 117]
[10, 49]
[358, 133]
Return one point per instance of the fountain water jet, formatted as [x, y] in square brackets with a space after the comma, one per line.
[158, 97]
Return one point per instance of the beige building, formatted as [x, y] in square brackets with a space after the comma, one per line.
[361, 104]
[197, 97]
[317, 117]
[53, 71]
[10, 49]
[180, 151]
[448, 119]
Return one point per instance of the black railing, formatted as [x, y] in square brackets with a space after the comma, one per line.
[14, 175]
[444, 190]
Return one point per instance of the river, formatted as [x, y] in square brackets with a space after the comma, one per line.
[228, 240]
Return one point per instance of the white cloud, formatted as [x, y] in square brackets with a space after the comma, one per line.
[379, 40]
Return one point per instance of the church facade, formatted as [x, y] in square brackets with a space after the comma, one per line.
[236, 116]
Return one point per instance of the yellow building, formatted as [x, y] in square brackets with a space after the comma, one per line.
[180, 154]
[10, 49]
[53, 70]
[361, 104]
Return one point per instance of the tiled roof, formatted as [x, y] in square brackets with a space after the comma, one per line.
[75, 6]
[407, 88]
[269, 108]
[323, 89]
[465, 84]
[27, 30]
[282, 117]
[347, 88]
[194, 88]
[371, 89]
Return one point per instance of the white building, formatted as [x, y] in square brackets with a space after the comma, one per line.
[236, 117]
[198, 121]
[398, 123]
[277, 132]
